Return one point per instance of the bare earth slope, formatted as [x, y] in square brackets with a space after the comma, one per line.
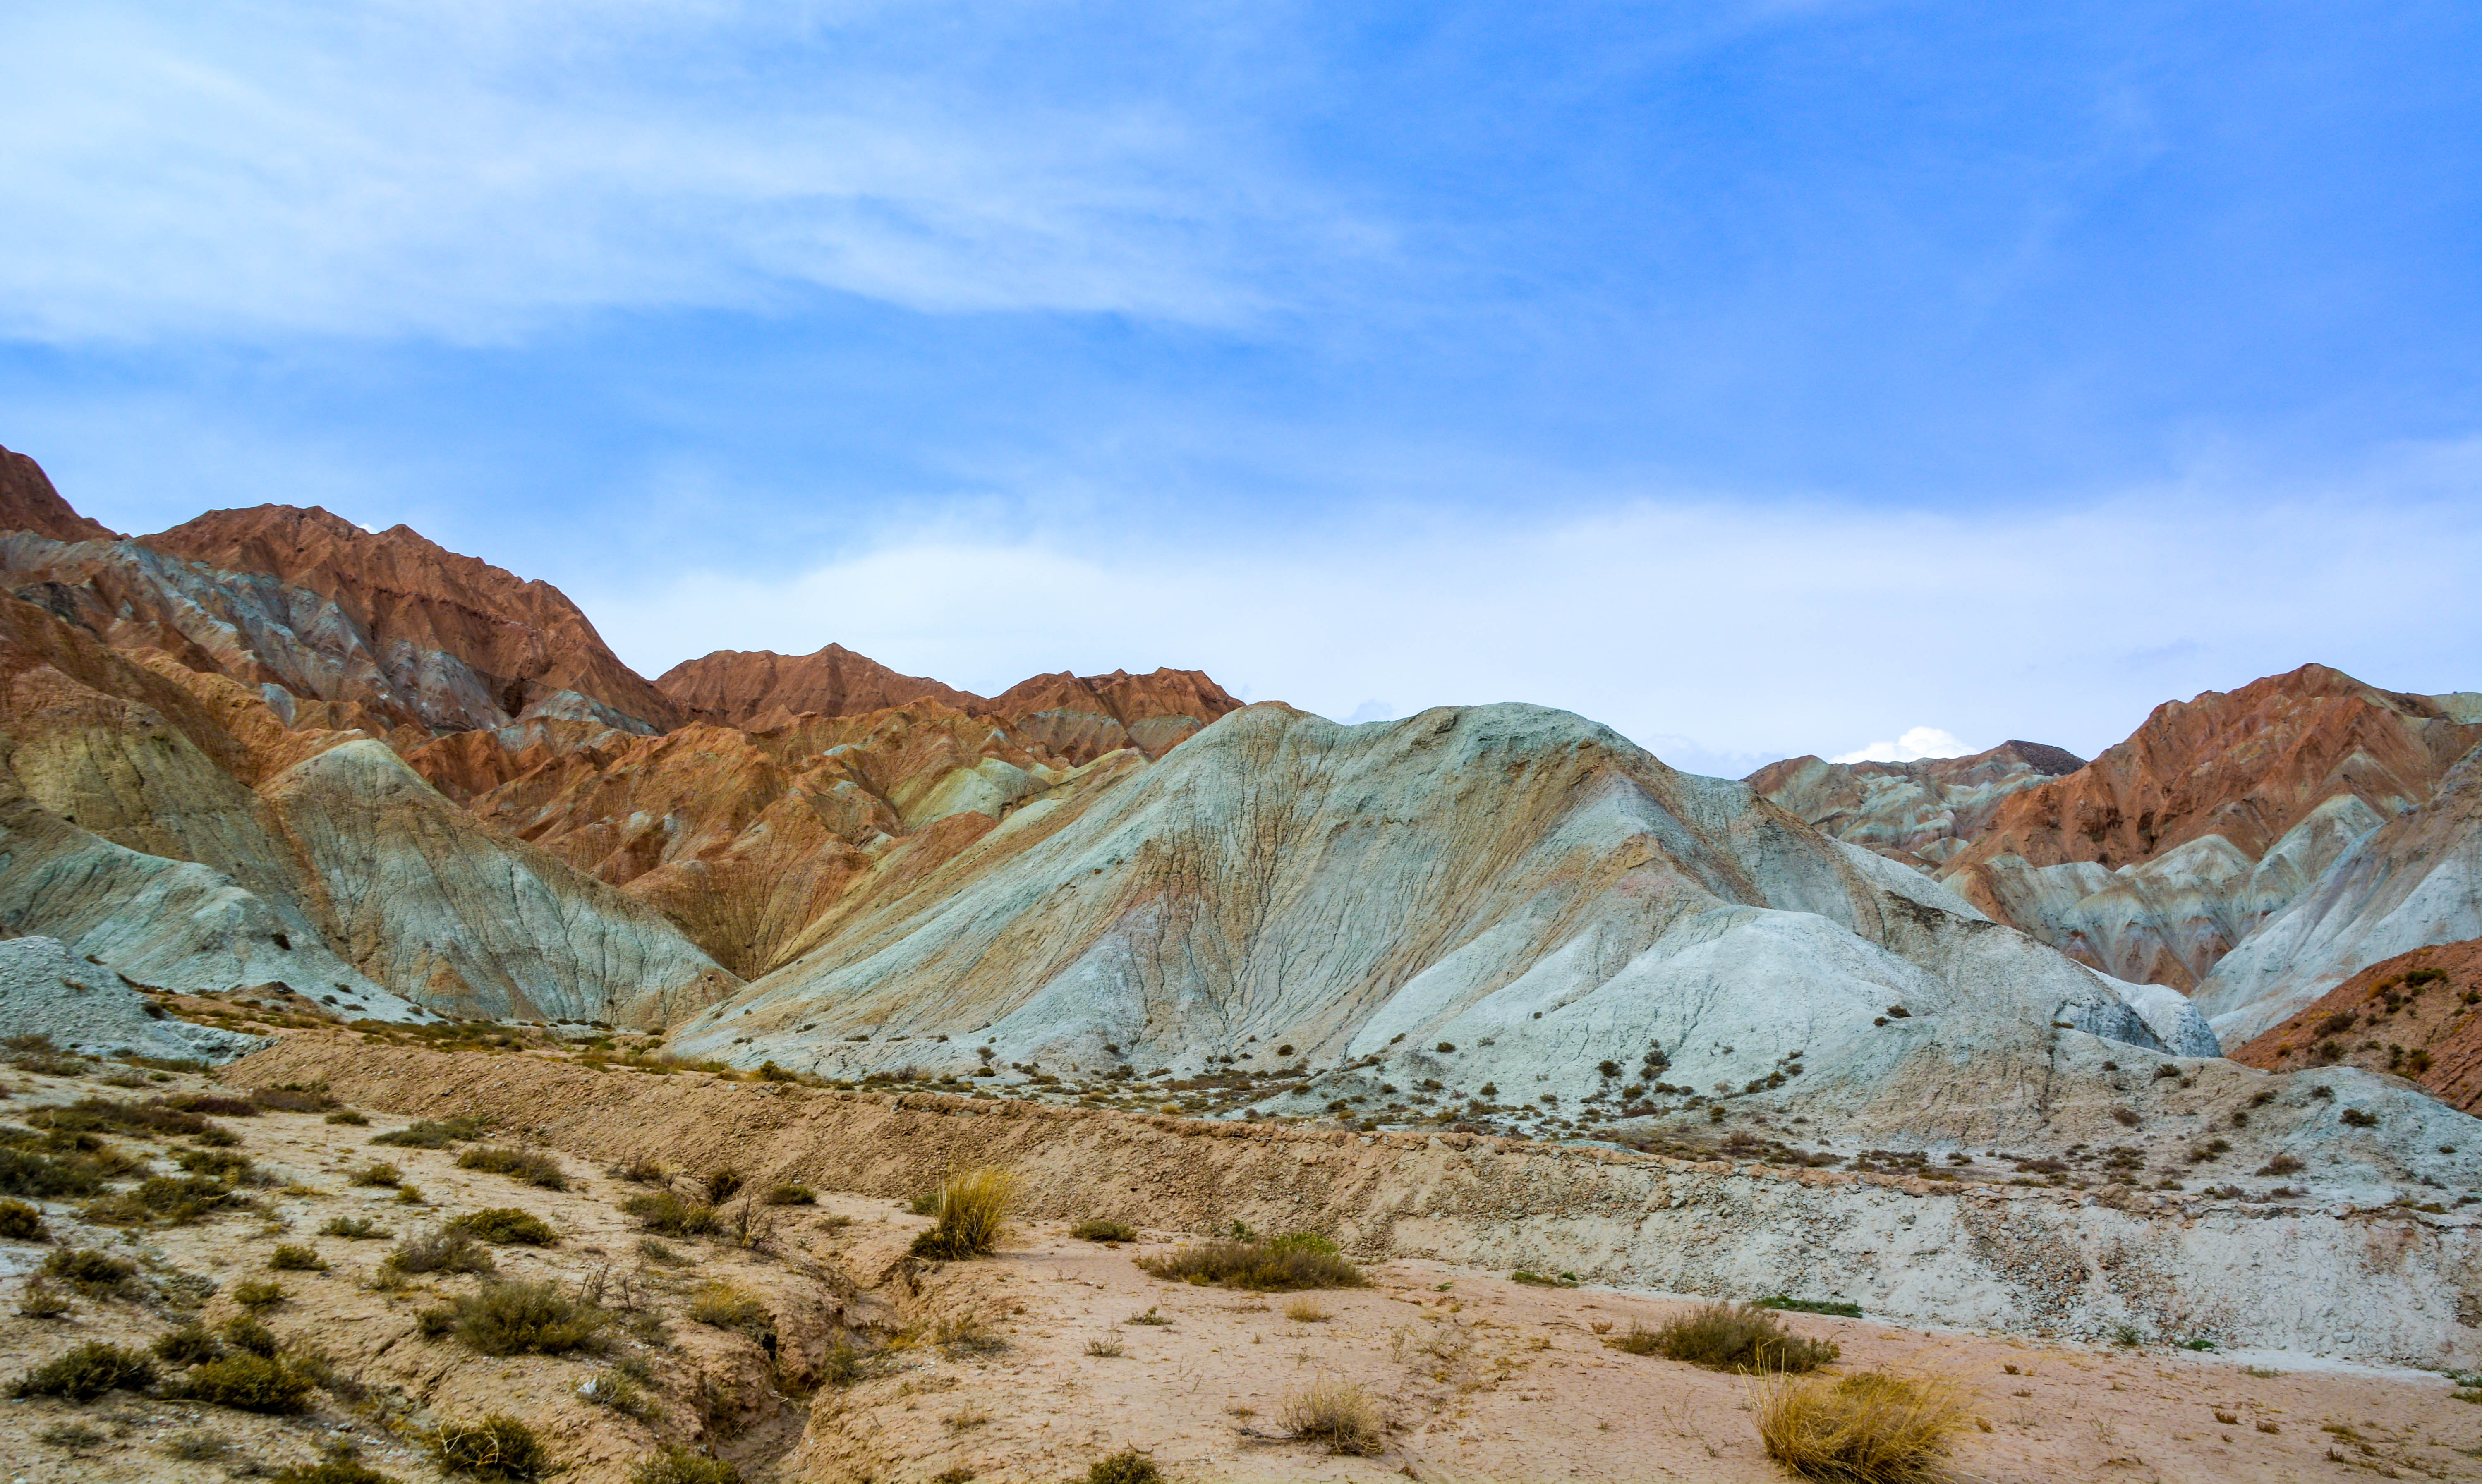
[28, 502]
[1919, 812]
[2414, 1016]
[740, 688]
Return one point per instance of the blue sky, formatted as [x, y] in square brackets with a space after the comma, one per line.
[1759, 379]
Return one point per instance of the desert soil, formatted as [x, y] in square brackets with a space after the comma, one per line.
[1479, 1377]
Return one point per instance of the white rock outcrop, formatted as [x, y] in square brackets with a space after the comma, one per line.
[46, 990]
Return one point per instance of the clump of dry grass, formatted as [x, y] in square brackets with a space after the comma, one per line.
[1868, 1428]
[1301, 1259]
[1335, 1413]
[1302, 1311]
[1727, 1337]
[972, 1210]
[531, 1166]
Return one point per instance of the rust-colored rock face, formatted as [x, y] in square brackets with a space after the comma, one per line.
[2248, 765]
[760, 688]
[1081, 718]
[2417, 1015]
[517, 646]
[1919, 812]
[28, 502]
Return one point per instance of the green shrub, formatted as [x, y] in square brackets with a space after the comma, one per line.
[86, 1372]
[188, 1345]
[257, 1293]
[497, 1448]
[246, 1383]
[505, 1225]
[23, 1223]
[668, 1213]
[523, 1318]
[426, 1133]
[214, 1164]
[680, 1465]
[378, 1173]
[1126, 1467]
[340, 1467]
[90, 1272]
[1095, 1228]
[448, 1250]
[348, 1118]
[294, 1258]
[523, 1164]
[1727, 1337]
[973, 1212]
[247, 1334]
[1303, 1259]
[792, 1195]
[352, 1229]
[26, 1173]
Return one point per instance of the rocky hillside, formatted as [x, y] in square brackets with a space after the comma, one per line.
[1921, 812]
[2416, 1015]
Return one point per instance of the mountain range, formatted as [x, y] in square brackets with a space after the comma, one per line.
[269, 747]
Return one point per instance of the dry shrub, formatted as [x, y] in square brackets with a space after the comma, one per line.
[522, 1318]
[1727, 1337]
[378, 1174]
[293, 1099]
[1302, 1311]
[1868, 1428]
[429, 1133]
[448, 1250]
[973, 1212]
[42, 1300]
[246, 1383]
[506, 1224]
[668, 1213]
[294, 1258]
[1335, 1413]
[92, 1273]
[1126, 1467]
[188, 1345]
[1302, 1260]
[680, 1465]
[1096, 1229]
[640, 1170]
[523, 1164]
[86, 1372]
[23, 1223]
[729, 1307]
[792, 1195]
[499, 1450]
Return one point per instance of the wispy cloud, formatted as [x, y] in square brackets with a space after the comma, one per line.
[473, 171]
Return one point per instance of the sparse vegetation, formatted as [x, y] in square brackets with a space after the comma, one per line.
[352, 1229]
[246, 1383]
[1300, 1259]
[1303, 1310]
[41, 1299]
[680, 1465]
[668, 1213]
[341, 1465]
[90, 1272]
[188, 1345]
[1837, 1308]
[1125, 1467]
[729, 1307]
[23, 1223]
[1105, 1349]
[1727, 1337]
[87, 1371]
[517, 1318]
[378, 1173]
[1868, 1428]
[1096, 1229]
[505, 1225]
[196, 1446]
[448, 1250]
[294, 1258]
[498, 1449]
[792, 1195]
[522, 1164]
[348, 1118]
[257, 1293]
[1337, 1414]
[426, 1133]
[247, 1333]
[972, 1213]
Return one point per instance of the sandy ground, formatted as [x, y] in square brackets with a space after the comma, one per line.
[1480, 1378]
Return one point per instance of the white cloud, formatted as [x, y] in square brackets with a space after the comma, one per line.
[1916, 743]
[469, 171]
[1721, 636]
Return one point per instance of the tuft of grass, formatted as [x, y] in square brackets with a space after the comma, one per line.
[198, 1446]
[663, 1211]
[792, 1195]
[348, 1118]
[41, 1299]
[294, 1258]
[246, 1383]
[972, 1213]
[1337, 1414]
[1126, 1467]
[1302, 1260]
[641, 1171]
[426, 1133]
[680, 1465]
[1105, 1349]
[188, 1345]
[1727, 1337]
[498, 1449]
[505, 1225]
[1835, 1306]
[378, 1173]
[90, 1272]
[293, 1099]
[522, 1164]
[1302, 1311]
[247, 1334]
[729, 1307]
[75, 1437]
[519, 1318]
[1095, 1228]
[257, 1293]
[24, 1172]
[352, 1229]
[87, 1371]
[341, 1465]
[448, 1250]
[23, 1223]
[1866, 1428]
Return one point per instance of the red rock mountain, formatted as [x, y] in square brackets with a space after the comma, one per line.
[762, 688]
[28, 502]
[2247, 765]
[1083, 718]
[524, 642]
[2417, 1015]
